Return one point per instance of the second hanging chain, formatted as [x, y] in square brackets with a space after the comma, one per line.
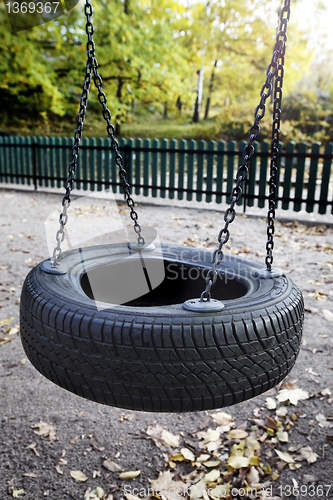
[92, 72]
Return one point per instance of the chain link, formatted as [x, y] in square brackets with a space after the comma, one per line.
[92, 72]
[275, 70]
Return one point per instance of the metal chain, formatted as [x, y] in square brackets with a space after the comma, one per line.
[92, 70]
[277, 107]
[275, 69]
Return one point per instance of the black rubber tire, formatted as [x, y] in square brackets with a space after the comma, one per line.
[162, 358]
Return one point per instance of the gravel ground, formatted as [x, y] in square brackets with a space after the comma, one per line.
[89, 433]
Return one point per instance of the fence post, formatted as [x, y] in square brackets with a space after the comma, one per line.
[325, 179]
[181, 168]
[138, 145]
[230, 171]
[155, 144]
[312, 182]
[100, 144]
[220, 172]
[243, 201]
[164, 145]
[2, 160]
[172, 168]
[252, 179]
[200, 167]
[288, 167]
[129, 162]
[210, 170]
[146, 165]
[34, 162]
[190, 168]
[302, 148]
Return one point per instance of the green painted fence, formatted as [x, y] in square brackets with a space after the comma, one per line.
[201, 171]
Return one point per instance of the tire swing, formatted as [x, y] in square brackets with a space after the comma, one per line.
[163, 350]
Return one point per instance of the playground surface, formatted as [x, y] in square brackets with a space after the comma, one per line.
[58, 446]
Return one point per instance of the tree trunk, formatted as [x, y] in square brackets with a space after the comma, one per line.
[165, 114]
[179, 105]
[126, 6]
[199, 97]
[210, 91]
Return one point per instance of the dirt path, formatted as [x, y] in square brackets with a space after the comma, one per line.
[86, 434]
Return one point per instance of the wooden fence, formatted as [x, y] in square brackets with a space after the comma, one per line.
[202, 171]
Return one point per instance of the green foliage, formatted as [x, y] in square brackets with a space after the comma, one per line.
[149, 52]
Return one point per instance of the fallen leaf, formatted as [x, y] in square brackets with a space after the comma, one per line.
[45, 429]
[32, 447]
[223, 420]
[323, 422]
[112, 466]
[212, 476]
[187, 454]
[161, 437]
[282, 436]
[285, 457]
[270, 403]
[197, 490]
[6, 322]
[132, 474]
[57, 468]
[78, 475]
[327, 315]
[307, 454]
[282, 411]
[252, 476]
[209, 436]
[167, 488]
[238, 462]
[17, 493]
[212, 463]
[169, 439]
[237, 434]
[293, 395]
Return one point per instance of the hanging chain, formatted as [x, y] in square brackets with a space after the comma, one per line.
[92, 71]
[275, 69]
[277, 107]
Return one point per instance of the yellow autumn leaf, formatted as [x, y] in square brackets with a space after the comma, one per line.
[237, 434]
[238, 462]
[132, 474]
[179, 457]
[78, 475]
[212, 476]
[187, 454]
[4, 322]
[282, 436]
[169, 439]
[285, 457]
[17, 493]
[212, 463]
